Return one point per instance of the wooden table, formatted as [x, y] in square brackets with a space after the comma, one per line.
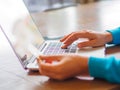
[98, 16]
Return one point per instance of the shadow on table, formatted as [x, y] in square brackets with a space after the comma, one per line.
[115, 88]
[76, 84]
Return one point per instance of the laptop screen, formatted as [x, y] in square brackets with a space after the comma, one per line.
[19, 28]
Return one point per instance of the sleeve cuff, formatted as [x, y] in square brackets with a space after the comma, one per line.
[98, 67]
[116, 35]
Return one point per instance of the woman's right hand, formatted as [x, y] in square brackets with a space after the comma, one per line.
[94, 38]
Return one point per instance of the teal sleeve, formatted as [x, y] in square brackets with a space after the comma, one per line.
[116, 35]
[105, 68]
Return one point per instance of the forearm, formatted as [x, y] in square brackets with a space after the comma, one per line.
[106, 68]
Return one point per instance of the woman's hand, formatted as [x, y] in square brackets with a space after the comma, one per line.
[67, 66]
[94, 38]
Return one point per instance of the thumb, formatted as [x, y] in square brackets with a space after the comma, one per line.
[90, 43]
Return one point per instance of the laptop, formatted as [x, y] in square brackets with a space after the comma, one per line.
[25, 38]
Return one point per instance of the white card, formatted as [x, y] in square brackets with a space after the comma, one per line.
[34, 50]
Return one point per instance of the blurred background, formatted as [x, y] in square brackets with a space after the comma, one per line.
[55, 18]
[47, 4]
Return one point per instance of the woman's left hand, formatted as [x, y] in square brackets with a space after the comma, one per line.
[67, 66]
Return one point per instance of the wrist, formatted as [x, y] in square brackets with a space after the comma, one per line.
[108, 37]
[84, 64]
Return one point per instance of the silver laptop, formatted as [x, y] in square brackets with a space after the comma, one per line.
[22, 34]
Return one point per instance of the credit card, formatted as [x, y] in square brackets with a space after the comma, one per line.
[33, 50]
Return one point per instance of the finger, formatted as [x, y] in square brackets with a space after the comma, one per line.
[49, 67]
[42, 64]
[64, 46]
[69, 40]
[90, 43]
[51, 57]
[52, 70]
[46, 71]
[65, 37]
[81, 34]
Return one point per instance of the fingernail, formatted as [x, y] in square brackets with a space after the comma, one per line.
[64, 47]
[48, 61]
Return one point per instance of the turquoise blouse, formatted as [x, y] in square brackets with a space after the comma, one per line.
[109, 67]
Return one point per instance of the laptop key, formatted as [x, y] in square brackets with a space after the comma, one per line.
[55, 48]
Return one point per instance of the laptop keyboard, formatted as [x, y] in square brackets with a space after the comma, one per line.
[55, 48]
